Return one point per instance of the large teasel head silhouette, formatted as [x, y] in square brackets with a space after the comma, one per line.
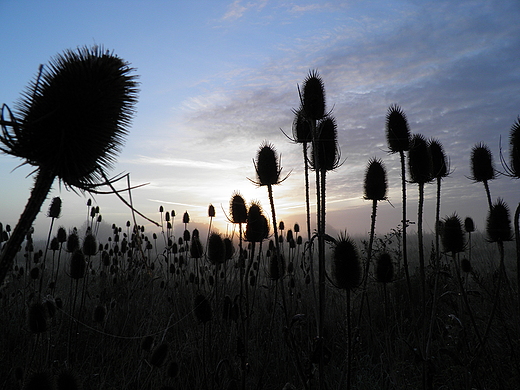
[482, 167]
[440, 164]
[267, 166]
[72, 120]
[326, 143]
[453, 234]
[498, 223]
[346, 264]
[313, 96]
[301, 128]
[397, 130]
[376, 185]
[237, 208]
[257, 228]
[419, 160]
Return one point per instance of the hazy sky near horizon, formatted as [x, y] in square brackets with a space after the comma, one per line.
[218, 78]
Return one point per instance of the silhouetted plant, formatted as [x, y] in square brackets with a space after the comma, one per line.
[346, 269]
[398, 140]
[482, 168]
[84, 100]
[420, 168]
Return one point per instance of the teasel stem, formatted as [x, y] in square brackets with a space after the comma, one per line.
[41, 189]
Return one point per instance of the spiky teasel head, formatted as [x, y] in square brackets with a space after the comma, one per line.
[237, 208]
[482, 167]
[159, 355]
[346, 265]
[72, 242]
[327, 147]
[216, 249]
[83, 99]
[37, 318]
[301, 128]
[514, 149]
[375, 180]
[196, 250]
[469, 225]
[202, 309]
[313, 96]
[77, 265]
[185, 217]
[440, 165]
[384, 268]
[419, 160]
[257, 228]
[452, 234]
[55, 208]
[498, 223]
[267, 166]
[397, 130]
[211, 211]
[90, 245]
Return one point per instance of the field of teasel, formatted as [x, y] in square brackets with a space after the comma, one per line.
[268, 306]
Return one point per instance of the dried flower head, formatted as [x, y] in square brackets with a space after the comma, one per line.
[419, 160]
[498, 224]
[301, 128]
[453, 235]
[83, 99]
[257, 228]
[469, 225]
[326, 154]
[267, 165]
[313, 96]
[346, 266]
[237, 208]
[375, 180]
[55, 208]
[440, 166]
[216, 249]
[397, 130]
[482, 167]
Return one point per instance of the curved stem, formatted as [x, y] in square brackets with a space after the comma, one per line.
[41, 189]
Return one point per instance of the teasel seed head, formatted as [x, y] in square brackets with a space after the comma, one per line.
[419, 160]
[90, 245]
[55, 208]
[54, 245]
[313, 96]
[237, 208]
[514, 149]
[482, 167]
[84, 99]
[384, 268]
[37, 318]
[469, 225]
[327, 145]
[185, 217]
[498, 224]
[453, 235]
[346, 266]
[257, 228]
[440, 165]
[72, 242]
[397, 130]
[196, 250]
[216, 249]
[267, 165]
[203, 311]
[159, 355]
[301, 128]
[375, 180]
[211, 211]
[77, 265]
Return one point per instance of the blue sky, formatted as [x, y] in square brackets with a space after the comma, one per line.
[220, 77]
